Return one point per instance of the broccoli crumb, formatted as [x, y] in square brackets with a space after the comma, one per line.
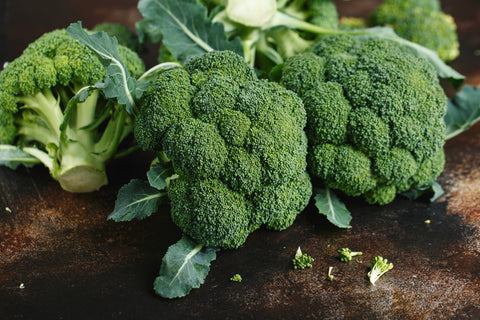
[378, 267]
[330, 275]
[346, 254]
[236, 278]
[302, 260]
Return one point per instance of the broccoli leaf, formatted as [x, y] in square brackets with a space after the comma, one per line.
[158, 174]
[443, 70]
[136, 200]
[329, 205]
[434, 190]
[184, 267]
[185, 35]
[118, 82]
[13, 156]
[463, 111]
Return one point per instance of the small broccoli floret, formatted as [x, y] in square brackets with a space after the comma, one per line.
[346, 254]
[378, 267]
[124, 35]
[301, 260]
[422, 22]
[374, 116]
[236, 143]
[35, 90]
[236, 278]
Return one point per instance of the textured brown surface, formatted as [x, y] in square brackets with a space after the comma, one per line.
[74, 264]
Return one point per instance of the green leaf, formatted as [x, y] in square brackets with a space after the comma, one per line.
[13, 156]
[463, 111]
[158, 174]
[184, 28]
[434, 190]
[118, 82]
[329, 205]
[184, 267]
[443, 70]
[136, 200]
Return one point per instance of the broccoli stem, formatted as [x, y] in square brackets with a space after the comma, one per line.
[158, 68]
[46, 105]
[114, 132]
[80, 168]
[35, 132]
[285, 20]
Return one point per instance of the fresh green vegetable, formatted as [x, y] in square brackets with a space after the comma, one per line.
[301, 260]
[236, 278]
[378, 268]
[233, 152]
[236, 144]
[374, 116]
[346, 254]
[422, 22]
[54, 110]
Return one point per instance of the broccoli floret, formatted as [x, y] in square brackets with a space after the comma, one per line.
[236, 143]
[421, 22]
[236, 278]
[35, 90]
[374, 116]
[301, 260]
[346, 254]
[124, 35]
[378, 267]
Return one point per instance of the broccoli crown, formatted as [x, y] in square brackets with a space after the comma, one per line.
[125, 36]
[236, 143]
[421, 22]
[374, 116]
[35, 89]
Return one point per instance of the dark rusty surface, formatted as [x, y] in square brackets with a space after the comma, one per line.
[73, 264]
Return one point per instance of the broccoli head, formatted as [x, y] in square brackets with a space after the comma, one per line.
[236, 143]
[421, 22]
[374, 116]
[35, 90]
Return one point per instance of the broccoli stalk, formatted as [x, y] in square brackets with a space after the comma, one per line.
[378, 267]
[346, 254]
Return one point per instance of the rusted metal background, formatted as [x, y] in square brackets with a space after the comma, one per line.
[61, 259]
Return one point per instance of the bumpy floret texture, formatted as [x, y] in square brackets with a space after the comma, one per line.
[421, 22]
[236, 143]
[374, 116]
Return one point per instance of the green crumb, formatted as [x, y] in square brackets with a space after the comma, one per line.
[330, 275]
[302, 260]
[236, 278]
